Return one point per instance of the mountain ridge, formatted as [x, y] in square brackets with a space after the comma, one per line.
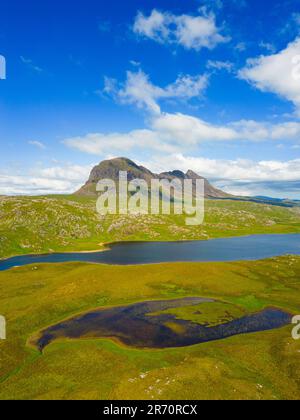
[109, 169]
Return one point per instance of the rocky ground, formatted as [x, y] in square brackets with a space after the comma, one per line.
[67, 223]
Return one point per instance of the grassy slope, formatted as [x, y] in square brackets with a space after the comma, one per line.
[69, 223]
[262, 365]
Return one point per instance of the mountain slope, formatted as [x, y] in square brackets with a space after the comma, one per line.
[109, 169]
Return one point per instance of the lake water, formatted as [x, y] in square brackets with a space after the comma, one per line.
[255, 247]
[141, 325]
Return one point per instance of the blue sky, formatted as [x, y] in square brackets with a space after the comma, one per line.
[209, 85]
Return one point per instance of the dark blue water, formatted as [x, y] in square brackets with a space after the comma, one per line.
[255, 247]
[141, 325]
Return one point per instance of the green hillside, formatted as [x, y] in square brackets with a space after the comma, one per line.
[263, 365]
[71, 223]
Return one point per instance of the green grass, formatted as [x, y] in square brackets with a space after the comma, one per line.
[256, 366]
[70, 223]
[212, 314]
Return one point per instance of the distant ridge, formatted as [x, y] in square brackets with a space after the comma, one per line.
[110, 169]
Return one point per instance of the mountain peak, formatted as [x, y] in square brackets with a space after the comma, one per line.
[192, 175]
[173, 174]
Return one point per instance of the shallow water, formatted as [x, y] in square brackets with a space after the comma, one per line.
[137, 326]
[255, 247]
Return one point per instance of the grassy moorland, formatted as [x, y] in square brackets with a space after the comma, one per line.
[256, 366]
[70, 223]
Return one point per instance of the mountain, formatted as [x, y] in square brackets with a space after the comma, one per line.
[109, 169]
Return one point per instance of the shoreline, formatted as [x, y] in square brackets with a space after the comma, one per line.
[105, 246]
[33, 338]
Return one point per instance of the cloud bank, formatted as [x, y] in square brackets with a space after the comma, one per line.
[180, 132]
[62, 179]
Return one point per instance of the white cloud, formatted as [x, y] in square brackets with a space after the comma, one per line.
[178, 132]
[187, 130]
[37, 144]
[262, 131]
[72, 173]
[140, 91]
[267, 46]
[187, 87]
[277, 73]
[53, 180]
[135, 63]
[26, 185]
[101, 144]
[234, 170]
[156, 26]
[191, 32]
[168, 133]
[220, 65]
[240, 177]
